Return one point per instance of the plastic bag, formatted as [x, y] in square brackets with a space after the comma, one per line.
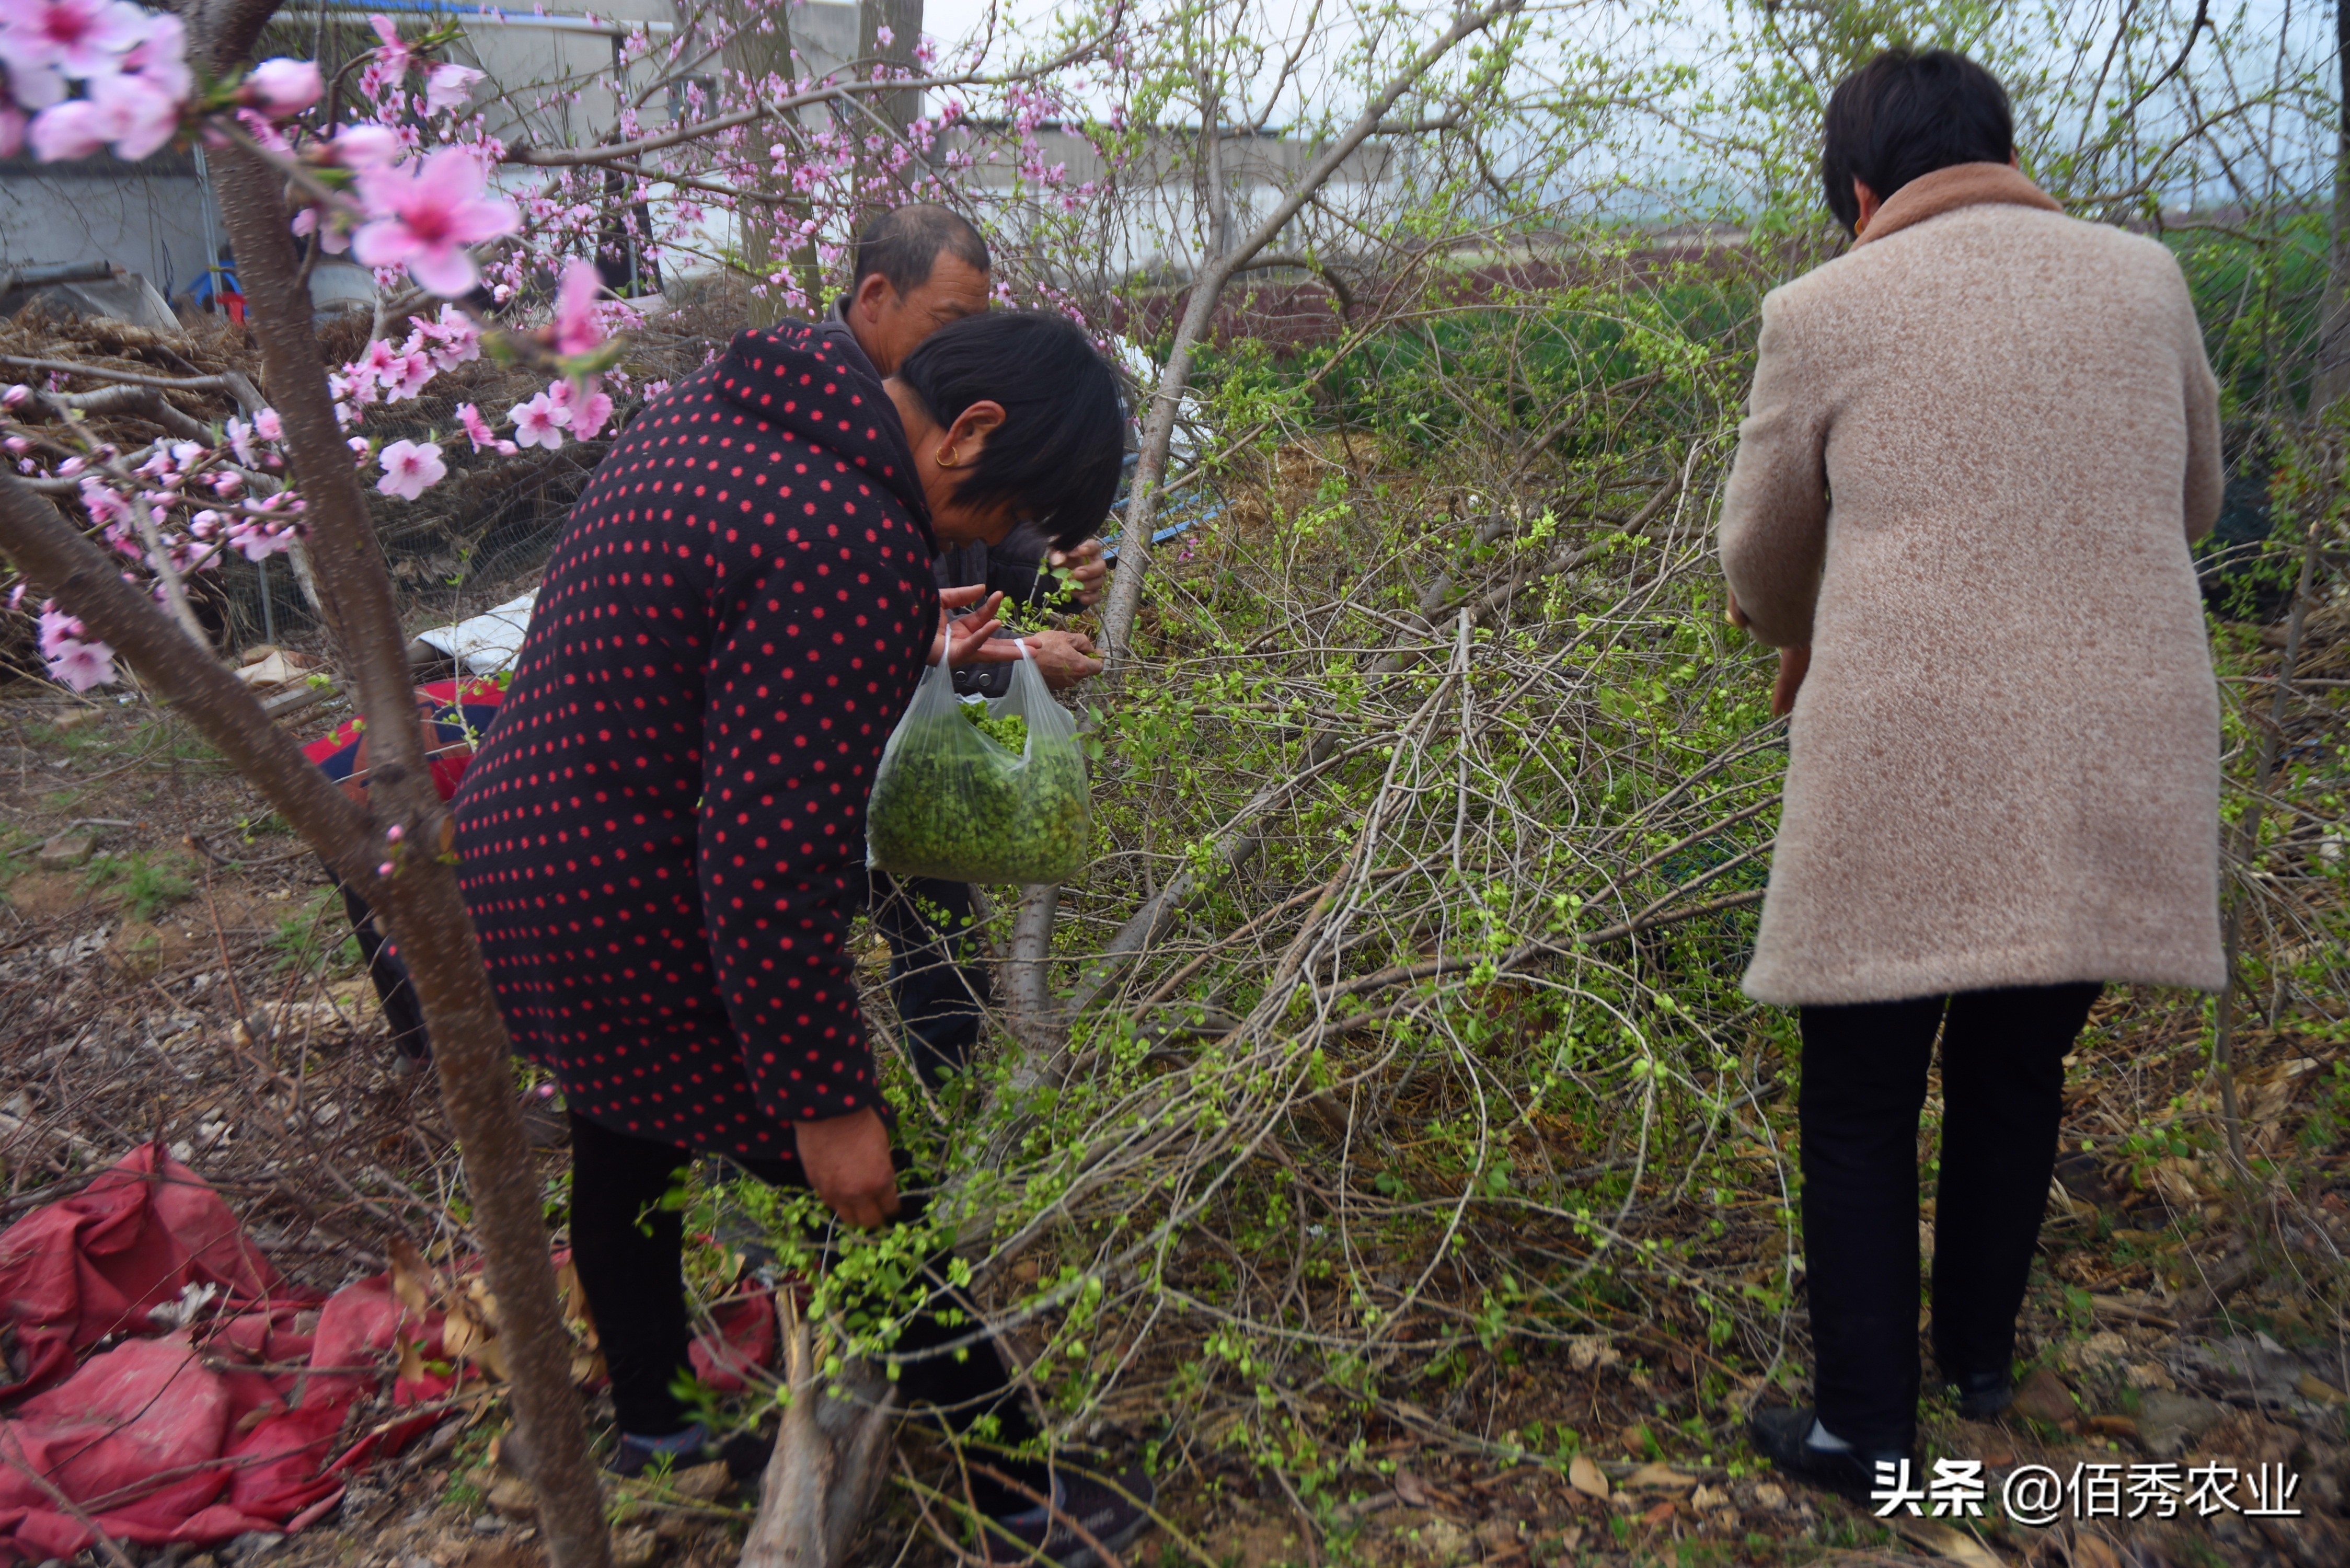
[949, 801]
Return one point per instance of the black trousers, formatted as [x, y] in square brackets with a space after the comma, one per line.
[942, 996]
[1864, 1083]
[630, 1255]
[390, 978]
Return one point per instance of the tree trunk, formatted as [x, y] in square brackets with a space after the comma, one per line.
[421, 903]
[2332, 373]
[761, 56]
[418, 902]
[904, 20]
[827, 1464]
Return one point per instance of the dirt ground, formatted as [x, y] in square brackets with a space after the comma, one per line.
[188, 980]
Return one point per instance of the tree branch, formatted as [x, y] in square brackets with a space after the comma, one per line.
[52, 552]
[142, 402]
[421, 903]
[130, 377]
[1142, 505]
[532, 157]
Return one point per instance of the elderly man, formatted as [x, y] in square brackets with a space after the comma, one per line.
[917, 268]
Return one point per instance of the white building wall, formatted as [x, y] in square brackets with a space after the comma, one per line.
[147, 218]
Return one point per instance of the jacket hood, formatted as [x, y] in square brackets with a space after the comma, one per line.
[798, 378]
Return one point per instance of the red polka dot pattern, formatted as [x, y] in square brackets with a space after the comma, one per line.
[663, 835]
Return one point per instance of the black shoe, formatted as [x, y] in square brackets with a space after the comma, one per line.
[630, 1460]
[744, 1455]
[1983, 1395]
[1113, 1512]
[1779, 1435]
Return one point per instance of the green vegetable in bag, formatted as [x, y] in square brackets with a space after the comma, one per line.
[967, 795]
[1011, 731]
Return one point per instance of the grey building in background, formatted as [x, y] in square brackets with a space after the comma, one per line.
[152, 217]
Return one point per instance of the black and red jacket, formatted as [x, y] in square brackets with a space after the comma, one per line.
[663, 834]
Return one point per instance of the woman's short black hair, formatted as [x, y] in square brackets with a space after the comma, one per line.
[1903, 115]
[1057, 454]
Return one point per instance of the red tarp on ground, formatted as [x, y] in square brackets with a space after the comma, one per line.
[163, 1437]
[157, 1439]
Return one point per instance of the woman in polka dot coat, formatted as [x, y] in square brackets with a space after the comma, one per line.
[663, 834]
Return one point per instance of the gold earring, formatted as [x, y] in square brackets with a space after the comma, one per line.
[947, 460]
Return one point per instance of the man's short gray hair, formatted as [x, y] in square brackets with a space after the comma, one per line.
[903, 245]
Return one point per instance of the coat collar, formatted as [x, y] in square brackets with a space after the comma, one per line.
[835, 328]
[1946, 190]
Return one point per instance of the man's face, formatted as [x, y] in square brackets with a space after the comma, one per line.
[890, 326]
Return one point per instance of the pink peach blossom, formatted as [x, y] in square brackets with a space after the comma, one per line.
[539, 422]
[82, 665]
[55, 627]
[366, 146]
[589, 415]
[411, 468]
[478, 429]
[448, 86]
[124, 110]
[46, 41]
[415, 371]
[142, 118]
[394, 55]
[580, 410]
[577, 328]
[453, 340]
[160, 59]
[422, 216]
[67, 130]
[334, 241]
[281, 89]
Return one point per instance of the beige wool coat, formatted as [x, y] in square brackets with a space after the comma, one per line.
[1978, 447]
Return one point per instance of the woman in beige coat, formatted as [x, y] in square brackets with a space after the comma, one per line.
[1979, 445]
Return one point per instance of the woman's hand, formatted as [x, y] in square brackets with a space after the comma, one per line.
[847, 1160]
[1795, 663]
[965, 640]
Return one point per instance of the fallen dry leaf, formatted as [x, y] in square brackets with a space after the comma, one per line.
[1586, 1351]
[1587, 1477]
[411, 1276]
[703, 1483]
[1659, 1478]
